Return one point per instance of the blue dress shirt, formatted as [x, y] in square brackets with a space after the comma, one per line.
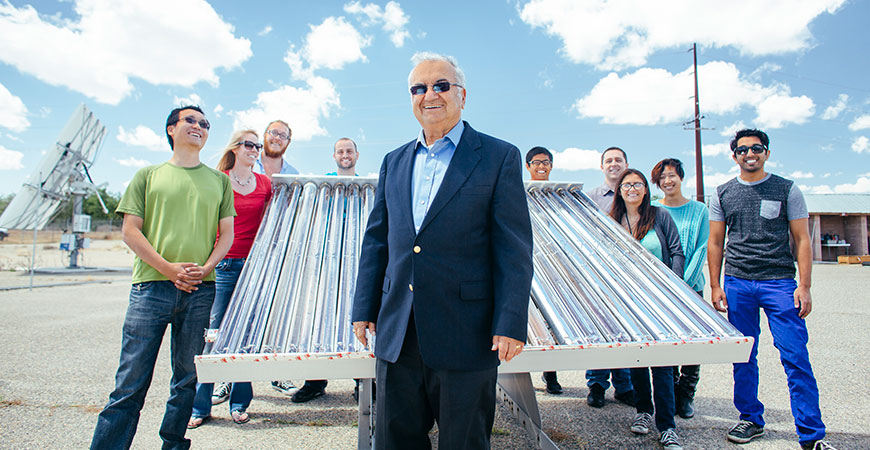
[430, 164]
[286, 169]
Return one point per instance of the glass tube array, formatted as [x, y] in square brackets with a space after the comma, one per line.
[593, 283]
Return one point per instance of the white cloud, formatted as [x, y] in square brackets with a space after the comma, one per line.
[577, 159]
[331, 45]
[192, 99]
[218, 110]
[302, 108]
[108, 43]
[860, 123]
[10, 159]
[722, 148]
[651, 96]
[621, 34]
[132, 162]
[266, 30]
[831, 112]
[142, 136]
[778, 110]
[13, 113]
[392, 18]
[801, 175]
[732, 129]
[861, 144]
[860, 186]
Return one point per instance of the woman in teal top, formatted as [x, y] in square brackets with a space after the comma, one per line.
[656, 231]
[693, 224]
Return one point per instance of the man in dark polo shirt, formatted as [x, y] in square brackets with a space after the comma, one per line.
[758, 211]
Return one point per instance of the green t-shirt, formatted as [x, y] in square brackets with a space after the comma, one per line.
[180, 208]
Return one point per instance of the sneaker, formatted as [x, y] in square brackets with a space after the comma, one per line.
[685, 406]
[817, 445]
[284, 387]
[625, 397]
[670, 440]
[553, 386]
[308, 392]
[220, 394]
[642, 423]
[595, 398]
[745, 431]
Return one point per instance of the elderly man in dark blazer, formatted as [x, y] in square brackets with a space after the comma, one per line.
[445, 271]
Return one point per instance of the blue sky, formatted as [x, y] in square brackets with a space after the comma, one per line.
[573, 76]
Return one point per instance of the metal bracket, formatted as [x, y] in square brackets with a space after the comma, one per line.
[517, 392]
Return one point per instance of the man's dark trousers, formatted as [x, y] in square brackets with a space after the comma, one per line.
[411, 397]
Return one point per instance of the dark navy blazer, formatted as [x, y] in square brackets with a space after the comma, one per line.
[468, 271]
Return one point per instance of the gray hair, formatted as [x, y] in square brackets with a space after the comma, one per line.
[420, 57]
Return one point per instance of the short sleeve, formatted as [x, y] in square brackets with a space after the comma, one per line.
[797, 206]
[133, 201]
[716, 213]
[227, 203]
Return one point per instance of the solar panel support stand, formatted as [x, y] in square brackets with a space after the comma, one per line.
[366, 418]
[516, 391]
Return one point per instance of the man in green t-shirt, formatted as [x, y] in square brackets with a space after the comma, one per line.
[173, 213]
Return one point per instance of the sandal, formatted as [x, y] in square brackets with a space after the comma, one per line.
[240, 416]
[196, 422]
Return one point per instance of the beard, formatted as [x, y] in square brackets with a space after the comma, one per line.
[267, 150]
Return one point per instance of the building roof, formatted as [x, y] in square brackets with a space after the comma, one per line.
[838, 203]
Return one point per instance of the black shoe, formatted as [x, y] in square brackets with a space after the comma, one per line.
[595, 398]
[685, 406]
[553, 386]
[626, 397]
[745, 431]
[308, 392]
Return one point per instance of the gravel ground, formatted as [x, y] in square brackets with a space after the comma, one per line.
[63, 345]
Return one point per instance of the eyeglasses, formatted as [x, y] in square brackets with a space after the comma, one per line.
[627, 186]
[539, 162]
[279, 134]
[756, 148]
[202, 123]
[441, 86]
[250, 145]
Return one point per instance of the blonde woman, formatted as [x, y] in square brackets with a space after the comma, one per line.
[251, 192]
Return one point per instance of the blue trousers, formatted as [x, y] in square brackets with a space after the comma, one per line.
[660, 394]
[621, 379]
[226, 276]
[745, 300]
[154, 305]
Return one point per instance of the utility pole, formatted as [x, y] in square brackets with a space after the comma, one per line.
[699, 167]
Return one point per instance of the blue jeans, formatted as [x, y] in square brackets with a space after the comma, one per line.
[745, 300]
[227, 275]
[661, 393]
[153, 306]
[621, 379]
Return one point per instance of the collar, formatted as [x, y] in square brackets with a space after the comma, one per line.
[453, 135]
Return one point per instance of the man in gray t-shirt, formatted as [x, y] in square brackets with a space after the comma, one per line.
[759, 211]
[613, 162]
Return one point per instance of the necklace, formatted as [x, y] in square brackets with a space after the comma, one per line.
[239, 182]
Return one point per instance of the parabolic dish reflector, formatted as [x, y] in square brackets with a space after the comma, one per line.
[48, 185]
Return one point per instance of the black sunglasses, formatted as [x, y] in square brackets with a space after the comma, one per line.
[202, 123]
[441, 86]
[250, 145]
[756, 148]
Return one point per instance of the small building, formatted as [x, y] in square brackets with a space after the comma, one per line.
[839, 225]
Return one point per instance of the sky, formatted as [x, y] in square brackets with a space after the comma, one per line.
[573, 76]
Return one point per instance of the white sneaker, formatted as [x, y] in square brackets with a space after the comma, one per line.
[220, 394]
[641, 424]
[670, 440]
